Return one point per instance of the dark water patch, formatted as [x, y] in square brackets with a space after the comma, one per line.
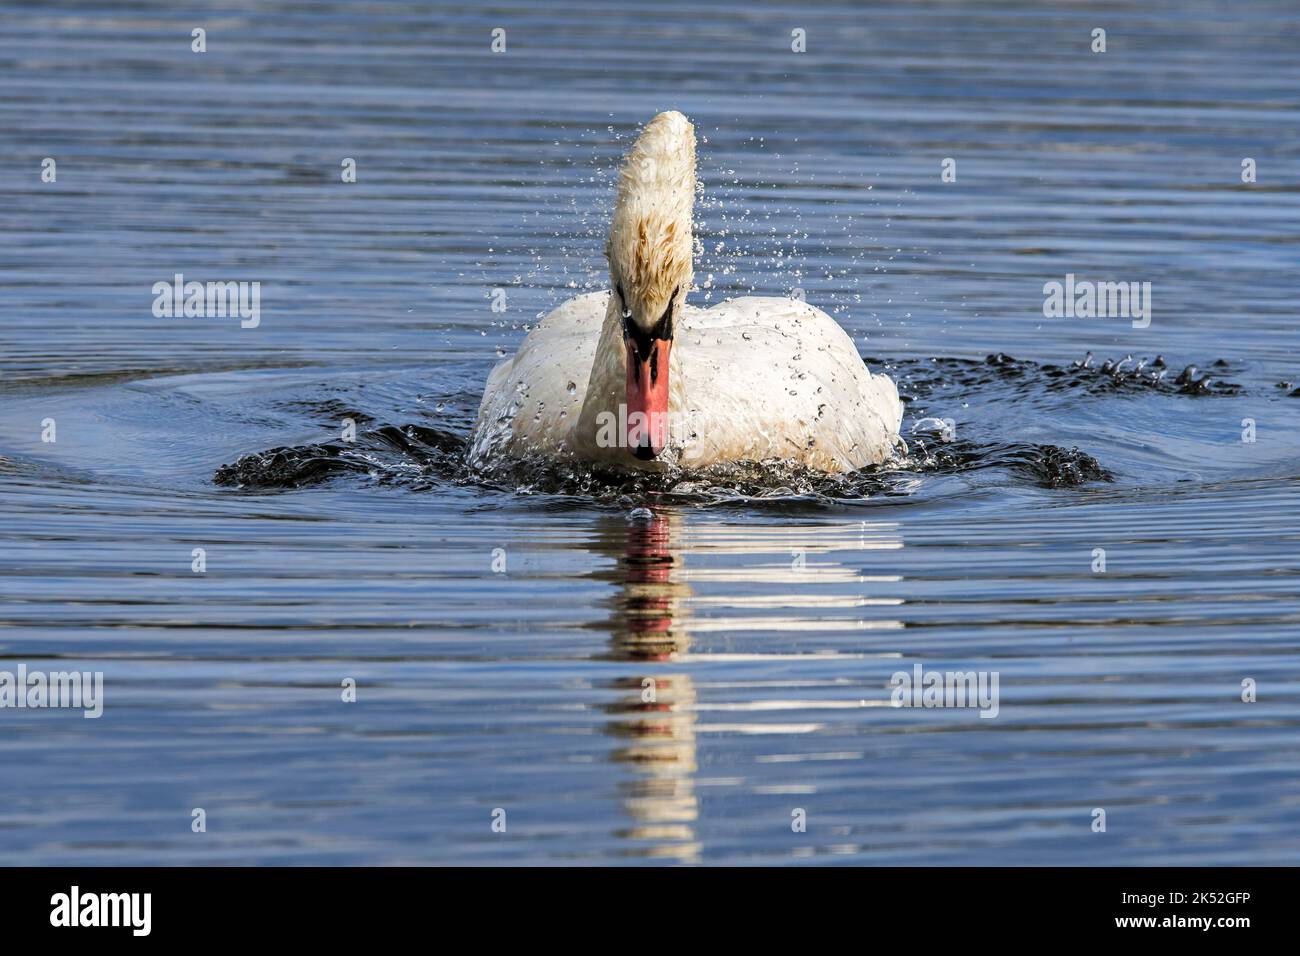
[921, 378]
[412, 455]
[1048, 466]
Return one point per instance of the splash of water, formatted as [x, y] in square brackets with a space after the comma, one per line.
[421, 456]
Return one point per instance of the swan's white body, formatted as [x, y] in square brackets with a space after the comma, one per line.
[760, 378]
[749, 379]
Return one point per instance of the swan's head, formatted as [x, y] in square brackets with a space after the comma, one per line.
[650, 247]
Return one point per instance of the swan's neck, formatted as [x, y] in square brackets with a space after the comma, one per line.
[650, 250]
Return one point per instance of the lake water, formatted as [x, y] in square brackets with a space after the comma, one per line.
[679, 672]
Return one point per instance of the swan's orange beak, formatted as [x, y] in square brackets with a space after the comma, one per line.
[647, 396]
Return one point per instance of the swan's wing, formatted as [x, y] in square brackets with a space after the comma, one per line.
[532, 399]
[778, 378]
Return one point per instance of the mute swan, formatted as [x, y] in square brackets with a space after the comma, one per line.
[635, 377]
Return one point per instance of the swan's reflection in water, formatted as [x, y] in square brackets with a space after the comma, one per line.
[833, 584]
[654, 716]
